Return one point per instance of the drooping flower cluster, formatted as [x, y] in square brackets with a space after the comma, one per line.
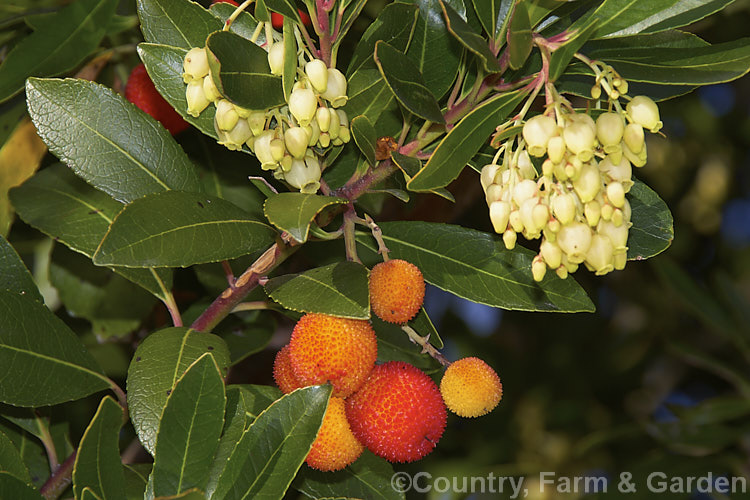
[281, 137]
[577, 203]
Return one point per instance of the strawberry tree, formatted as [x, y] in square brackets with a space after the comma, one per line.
[304, 135]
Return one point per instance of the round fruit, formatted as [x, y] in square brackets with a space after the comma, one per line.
[277, 20]
[396, 290]
[335, 447]
[470, 388]
[140, 90]
[283, 373]
[329, 349]
[398, 414]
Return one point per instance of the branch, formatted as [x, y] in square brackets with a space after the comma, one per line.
[60, 479]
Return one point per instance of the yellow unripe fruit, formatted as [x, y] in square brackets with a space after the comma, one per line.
[335, 447]
[470, 388]
[396, 290]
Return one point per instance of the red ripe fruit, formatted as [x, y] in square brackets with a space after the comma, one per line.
[225, 1]
[398, 413]
[277, 20]
[140, 90]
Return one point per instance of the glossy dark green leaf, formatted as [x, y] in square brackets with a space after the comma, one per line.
[463, 141]
[493, 15]
[616, 15]
[272, 449]
[294, 212]
[106, 140]
[435, 52]
[338, 290]
[235, 421]
[290, 58]
[368, 477]
[639, 47]
[287, 8]
[241, 73]
[179, 23]
[15, 276]
[191, 494]
[157, 364]
[61, 205]
[42, 362]
[423, 325]
[136, 479]
[364, 136]
[406, 82]
[394, 345]
[653, 227]
[178, 236]
[189, 429]
[11, 460]
[59, 44]
[164, 65]
[519, 36]
[244, 25]
[98, 465]
[561, 57]
[394, 25]
[257, 398]
[476, 266]
[409, 165]
[88, 494]
[33, 455]
[470, 39]
[14, 488]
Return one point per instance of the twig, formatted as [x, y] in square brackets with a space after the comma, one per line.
[350, 243]
[60, 479]
[426, 346]
[228, 272]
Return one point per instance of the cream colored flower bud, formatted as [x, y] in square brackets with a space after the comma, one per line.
[295, 140]
[609, 130]
[556, 149]
[333, 128]
[323, 117]
[620, 260]
[317, 72]
[644, 112]
[515, 221]
[634, 138]
[596, 92]
[593, 212]
[599, 255]
[196, 98]
[589, 183]
[562, 271]
[584, 119]
[621, 172]
[617, 217]
[276, 58]
[262, 149]
[553, 225]
[487, 176]
[531, 229]
[552, 253]
[571, 267]
[618, 235]
[325, 140]
[626, 211]
[499, 215]
[575, 239]
[607, 211]
[548, 168]
[509, 239]
[209, 89]
[240, 133]
[335, 92]
[257, 122]
[277, 149]
[303, 105]
[343, 119]
[637, 159]
[286, 163]
[524, 190]
[314, 133]
[226, 116]
[537, 132]
[494, 193]
[538, 268]
[195, 65]
[616, 194]
[525, 166]
[250, 143]
[344, 134]
[580, 140]
[540, 215]
[564, 208]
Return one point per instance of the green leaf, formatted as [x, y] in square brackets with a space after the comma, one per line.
[88, 494]
[561, 57]
[189, 429]
[435, 52]
[136, 479]
[615, 15]
[493, 14]
[164, 65]
[12, 487]
[406, 82]
[294, 212]
[337, 289]
[409, 165]
[106, 140]
[519, 36]
[11, 460]
[470, 39]
[179, 23]
[639, 47]
[290, 57]
[59, 44]
[423, 325]
[157, 364]
[241, 73]
[476, 266]
[234, 425]
[15, 276]
[98, 465]
[42, 362]
[272, 449]
[191, 494]
[394, 345]
[394, 25]
[368, 477]
[179, 235]
[258, 398]
[653, 227]
[463, 142]
[364, 136]
[244, 25]
[286, 8]
[62, 206]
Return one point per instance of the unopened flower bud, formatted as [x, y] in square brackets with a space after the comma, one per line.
[277, 149]
[616, 194]
[617, 217]
[343, 119]
[344, 134]
[644, 112]
[607, 211]
[262, 149]
[564, 208]
[637, 159]
[621, 172]
[286, 163]
[494, 193]
[317, 71]
[634, 138]
[196, 98]
[323, 117]
[257, 122]
[509, 239]
[314, 133]
[303, 105]
[295, 140]
[525, 167]
[499, 215]
[537, 132]
[599, 255]
[195, 65]
[526, 210]
[575, 239]
[540, 215]
[556, 149]
[552, 253]
[553, 225]
[325, 140]
[562, 271]
[593, 212]
[618, 235]
[335, 91]
[276, 58]
[589, 183]
[226, 116]
[596, 92]
[538, 268]
[210, 89]
[487, 176]
[515, 221]
[240, 133]
[524, 190]
[580, 140]
[333, 127]
[548, 168]
[609, 130]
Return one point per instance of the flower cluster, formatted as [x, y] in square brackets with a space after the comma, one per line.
[577, 203]
[283, 137]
